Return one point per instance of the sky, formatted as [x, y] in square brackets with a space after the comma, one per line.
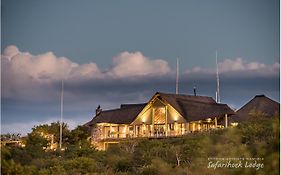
[111, 52]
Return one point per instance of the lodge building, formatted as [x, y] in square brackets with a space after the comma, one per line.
[165, 115]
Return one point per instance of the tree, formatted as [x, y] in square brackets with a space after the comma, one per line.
[52, 129]
[36, 145]
[79, 135]
[78, 143]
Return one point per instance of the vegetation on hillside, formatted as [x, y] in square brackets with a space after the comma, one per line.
[257, 138]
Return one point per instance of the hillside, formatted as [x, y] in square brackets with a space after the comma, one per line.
[249, 148]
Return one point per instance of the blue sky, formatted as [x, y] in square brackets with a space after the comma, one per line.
[121, 52]
[191, 30]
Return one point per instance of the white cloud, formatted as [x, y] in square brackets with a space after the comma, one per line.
[84, 71]
[136, 64]
[27, 76]
[239, 67]
[10, 51]
[48, 67]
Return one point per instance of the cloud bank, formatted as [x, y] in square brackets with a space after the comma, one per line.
[31, 84]
[27, 76]
[23, 73]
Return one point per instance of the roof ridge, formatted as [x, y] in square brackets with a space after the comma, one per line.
[266, 97]
[133, 103]
[195, 101]
[183, 95]
[128, 105]
[117, 109]
[261, 95]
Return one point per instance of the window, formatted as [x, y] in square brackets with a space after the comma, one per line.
[159, 116]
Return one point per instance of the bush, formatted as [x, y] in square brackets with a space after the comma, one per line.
[123, 165]
[80, 165]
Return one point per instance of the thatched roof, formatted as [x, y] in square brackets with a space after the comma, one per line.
[194, 108]
[259, 104]
[124, 115]
[132, 105]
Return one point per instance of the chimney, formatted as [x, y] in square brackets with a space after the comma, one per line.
[194, 90]
[98, 110]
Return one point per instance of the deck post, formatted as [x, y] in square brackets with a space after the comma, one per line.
[166, 121]
[175, 128]
[143, 129]
[110, 131]
[134, 130]
[216, 122]
[152, 122]
[226, 120]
